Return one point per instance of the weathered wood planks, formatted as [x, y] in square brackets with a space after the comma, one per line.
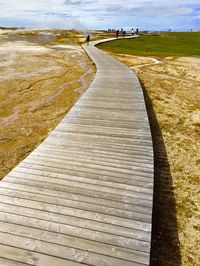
[84, 196]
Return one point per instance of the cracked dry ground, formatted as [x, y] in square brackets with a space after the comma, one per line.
[38, 86]
[172, 92]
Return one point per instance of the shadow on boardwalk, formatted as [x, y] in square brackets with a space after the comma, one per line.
[165, 243]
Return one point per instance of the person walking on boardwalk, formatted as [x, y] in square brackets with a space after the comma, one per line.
[132, 31]
[88, 39]
[117, 33]
[124, 33]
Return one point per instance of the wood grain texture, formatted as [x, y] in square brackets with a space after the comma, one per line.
[84, 196]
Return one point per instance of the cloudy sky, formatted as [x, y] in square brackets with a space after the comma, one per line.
[101, 14]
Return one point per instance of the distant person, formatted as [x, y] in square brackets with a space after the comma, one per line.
[124, 33]
[132, 32]
[117, 33]
[88, 39]
[137, 31]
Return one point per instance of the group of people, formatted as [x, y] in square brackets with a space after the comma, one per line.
[118, 33]
[122, 32]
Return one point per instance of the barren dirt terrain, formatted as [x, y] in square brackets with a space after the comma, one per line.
[172, 92]
[42, 74]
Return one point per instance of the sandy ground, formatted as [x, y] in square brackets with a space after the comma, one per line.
[39, 83]
[41, 78]
[172, 91]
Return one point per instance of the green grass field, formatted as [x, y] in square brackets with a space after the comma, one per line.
[166, 44]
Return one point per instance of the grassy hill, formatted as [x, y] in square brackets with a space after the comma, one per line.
[166, 44]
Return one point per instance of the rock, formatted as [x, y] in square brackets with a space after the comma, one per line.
[195, 117]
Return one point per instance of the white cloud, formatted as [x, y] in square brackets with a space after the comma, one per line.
[95, 13]
[72, 2]
[150, 10]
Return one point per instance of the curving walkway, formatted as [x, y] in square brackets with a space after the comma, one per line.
[84, 196]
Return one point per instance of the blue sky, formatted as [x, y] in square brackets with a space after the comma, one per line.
[101, 14]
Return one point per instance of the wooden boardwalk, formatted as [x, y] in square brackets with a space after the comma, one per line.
[84, 196]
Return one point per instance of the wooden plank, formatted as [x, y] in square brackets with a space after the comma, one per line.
[87, 162]
[60, 254]
[72, 215]
[101, 152]
[85, 195]
[29, 257]
[122, 189]
[84, 205]
[92, 168]
[90, 159]
[72, 242]
[112, 182]
[7, 262]
[62, 196]
[58, 225]
[80, 191]
[100, 156]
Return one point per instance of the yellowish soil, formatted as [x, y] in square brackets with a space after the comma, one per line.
[172, 91]
[38, 86]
